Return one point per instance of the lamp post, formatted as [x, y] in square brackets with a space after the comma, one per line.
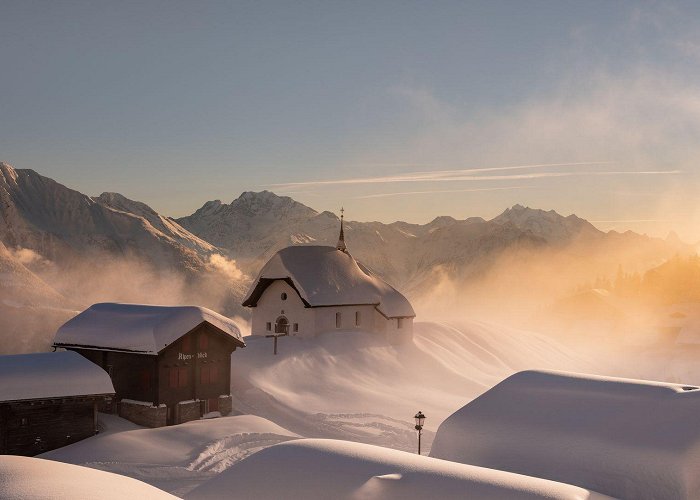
[420, 418]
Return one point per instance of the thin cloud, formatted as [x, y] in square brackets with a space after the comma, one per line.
[630, 220]
[431, 175]
[410, 193]
[466, 175]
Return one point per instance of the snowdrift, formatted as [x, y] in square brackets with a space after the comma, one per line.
[24, 478]
[353, 377]
[320, 469]
[624, 438]
[175, 458]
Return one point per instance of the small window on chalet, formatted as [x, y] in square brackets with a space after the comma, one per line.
[203, 342]
[187, 344]
[214, 374]
[357, 318]
[146, 380]
[283, 296]
[296, 327]
[338, 320]
[182, 376]
[173, 378]
[399, 323]
[24, 422]
[268, 326]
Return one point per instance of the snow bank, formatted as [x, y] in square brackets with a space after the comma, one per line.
[320, 469]
[49, 375]
[24, 478]
[324, 276]
[135, 327]
[175, 458]
[625, 438]
[441, 369]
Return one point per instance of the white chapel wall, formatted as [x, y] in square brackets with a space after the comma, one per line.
[270, 307]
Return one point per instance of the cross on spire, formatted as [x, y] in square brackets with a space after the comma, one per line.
[341, 239]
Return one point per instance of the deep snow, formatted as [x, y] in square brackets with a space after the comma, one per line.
[321, 469]
[356, 386]
[625, 438]
[24, 478]
[175, 458]
[324, 276]
[50, 375]
[137, 327]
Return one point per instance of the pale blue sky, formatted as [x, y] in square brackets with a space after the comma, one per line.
[176, 103]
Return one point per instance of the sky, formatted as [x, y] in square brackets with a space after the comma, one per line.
[394, 110]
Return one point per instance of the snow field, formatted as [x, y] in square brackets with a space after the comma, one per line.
[323, 469]
[24, 478]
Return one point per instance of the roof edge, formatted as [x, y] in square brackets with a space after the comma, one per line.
[263, 284]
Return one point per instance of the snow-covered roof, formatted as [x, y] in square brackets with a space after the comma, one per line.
[624, 438]
[50, 375]
[140, 328]
[325, 276]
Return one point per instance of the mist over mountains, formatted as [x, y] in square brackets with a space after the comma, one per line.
[63, 250]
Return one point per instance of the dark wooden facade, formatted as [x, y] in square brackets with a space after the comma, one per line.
[197, 366]
[30, 427]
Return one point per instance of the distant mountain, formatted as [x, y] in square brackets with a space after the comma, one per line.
[550, 226]
[29, 307]
[60, 223]
[210, 256]
[107, 248]
[417, 257]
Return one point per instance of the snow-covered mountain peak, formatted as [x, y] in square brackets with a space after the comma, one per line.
[7, 172]
[265, 202]
[545, 224]
[124, 204]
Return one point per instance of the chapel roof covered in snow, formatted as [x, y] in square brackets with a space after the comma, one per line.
[139, 328]
[624, 438]
[51, 375]
[326, 276]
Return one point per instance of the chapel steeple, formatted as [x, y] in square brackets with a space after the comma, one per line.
[341, 239]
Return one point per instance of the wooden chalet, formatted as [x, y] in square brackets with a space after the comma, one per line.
[48, 400]
[168, 364]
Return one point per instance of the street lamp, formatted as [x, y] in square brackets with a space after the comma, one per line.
[420, 418]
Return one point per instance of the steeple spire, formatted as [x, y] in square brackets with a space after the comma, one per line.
[341, 240]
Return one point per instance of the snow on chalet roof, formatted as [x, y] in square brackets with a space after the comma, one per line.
[50, 375]
[141, 328]
[620, 437]
[325, 276]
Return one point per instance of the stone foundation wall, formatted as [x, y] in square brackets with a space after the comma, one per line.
[186, 411]
[225, 404]
[143, 413]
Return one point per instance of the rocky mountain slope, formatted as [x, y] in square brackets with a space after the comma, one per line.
[60, 223]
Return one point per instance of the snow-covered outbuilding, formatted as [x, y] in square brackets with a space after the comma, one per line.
[306, 290]
[48, 400]
[169, 364]
[623, 438]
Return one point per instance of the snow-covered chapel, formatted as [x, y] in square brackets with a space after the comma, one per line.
[307, 290]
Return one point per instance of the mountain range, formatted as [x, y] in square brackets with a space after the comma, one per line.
[79, 249]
